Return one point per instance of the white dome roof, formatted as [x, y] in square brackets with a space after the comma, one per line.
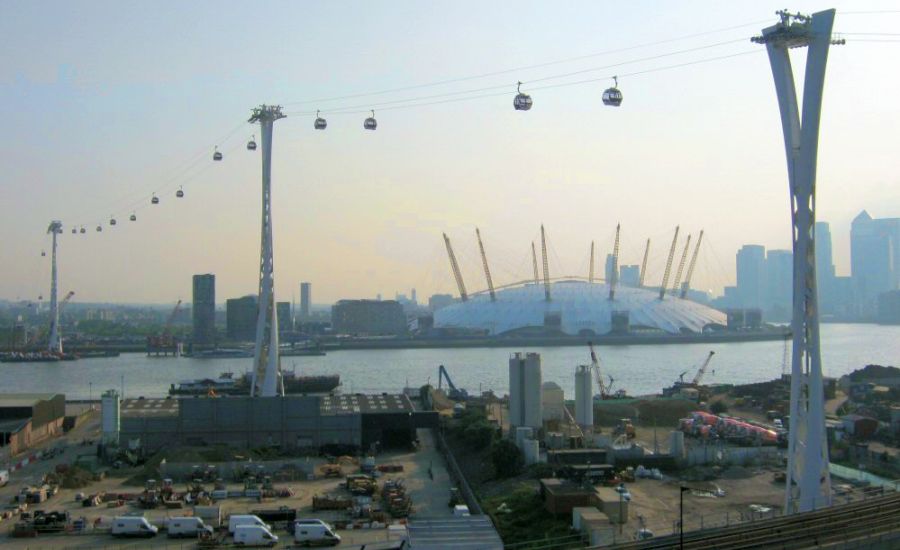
[581, 306]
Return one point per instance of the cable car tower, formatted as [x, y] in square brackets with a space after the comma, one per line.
[266, 378]
[54, 345]
[808, 485]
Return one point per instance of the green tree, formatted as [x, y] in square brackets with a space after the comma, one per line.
[718, 407]
[506, 458]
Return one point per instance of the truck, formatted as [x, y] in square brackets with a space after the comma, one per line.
[315, 532]
[254, 535]
[179, 527]
[236, 520]
[133, 526]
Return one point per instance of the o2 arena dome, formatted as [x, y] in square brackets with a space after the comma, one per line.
[576, 308]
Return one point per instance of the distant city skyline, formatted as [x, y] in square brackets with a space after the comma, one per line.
[102, 124]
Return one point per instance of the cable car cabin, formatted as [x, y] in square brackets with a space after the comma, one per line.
[179, 193]
[217, 155]
[370, 123]
[251, 145]
[99, 228]
[321, 124]
[83, 231]
[133, 218]
[612, 97]
[74, 231]
[112, 221]
[522, 102]
[154, 200]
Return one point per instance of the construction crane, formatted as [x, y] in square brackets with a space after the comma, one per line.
[690, 273]
[665, 280]
[454, 393]
[460, 284]
[537, 277]
[164, 342]
[614, 272]
[546, 264]
[487, 270]
[595, 363]
[573, 422]
[591, 268]
[680, 270]
[644, 265]
[702, 370]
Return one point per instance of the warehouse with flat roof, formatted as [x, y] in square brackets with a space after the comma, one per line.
[27, 419]
[290, 422]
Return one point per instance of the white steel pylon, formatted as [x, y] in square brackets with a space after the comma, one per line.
[54, 344]
[808, 484]
[266, 379]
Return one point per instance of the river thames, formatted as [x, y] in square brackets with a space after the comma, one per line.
[640, 369]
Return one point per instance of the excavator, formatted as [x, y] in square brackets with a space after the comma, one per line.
[695, 384]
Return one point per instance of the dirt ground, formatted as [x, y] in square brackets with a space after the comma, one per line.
[655, 504]
[430, 498]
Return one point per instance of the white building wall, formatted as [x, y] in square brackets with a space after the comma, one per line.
[110, 416]
[552, 402]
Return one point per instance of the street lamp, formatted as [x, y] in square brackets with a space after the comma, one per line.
[91, 395]
[681, 491]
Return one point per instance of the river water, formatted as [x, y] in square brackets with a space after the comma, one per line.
[638, 369]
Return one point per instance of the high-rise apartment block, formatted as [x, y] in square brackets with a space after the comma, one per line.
[204, 310]
[305, 300]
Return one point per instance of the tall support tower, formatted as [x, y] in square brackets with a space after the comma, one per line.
[487, 270]
[808, 484]
[546, 265]
[266, 379]
[54, 345]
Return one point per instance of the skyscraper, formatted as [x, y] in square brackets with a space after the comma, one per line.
[874, 249]
[751, 260]
[779, 283]
[204, 309]
[240, 316]
[825, 268]
[285, 323]
[305, 300]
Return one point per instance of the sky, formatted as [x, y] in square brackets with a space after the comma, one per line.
[104, 103]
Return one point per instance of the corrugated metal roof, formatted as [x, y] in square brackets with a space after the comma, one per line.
[467, 532]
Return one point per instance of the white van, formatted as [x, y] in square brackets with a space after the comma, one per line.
[186, 527]
[315, 531]
[236, 520]
[254, 535]
[133, 526]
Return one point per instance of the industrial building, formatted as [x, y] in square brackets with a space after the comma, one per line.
[368, 317]
[240, 318]
[204, 310]
[289, 422]
[27, 419]
[576, 308]
[285, 319]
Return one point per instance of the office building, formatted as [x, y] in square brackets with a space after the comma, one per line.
[437, 301]
[368, 317]
[204, 310]
[305, 300]
[630, 275]
[751, 280]
[240, 318]
[285, 321]
[874, 252]
[779, 284]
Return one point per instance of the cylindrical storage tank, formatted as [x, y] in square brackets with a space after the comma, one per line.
[523, 433]
[532, 391]
[110, 416]
[516, 382]
[584, 397]
[532, 451]
[676, 444]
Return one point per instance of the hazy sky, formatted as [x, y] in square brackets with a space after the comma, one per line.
[105, 102]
